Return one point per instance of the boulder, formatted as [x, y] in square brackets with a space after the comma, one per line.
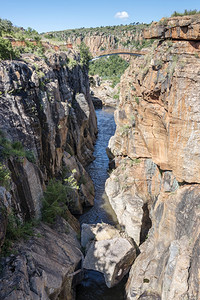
[112, 257]
[108, 251]
[99, 232]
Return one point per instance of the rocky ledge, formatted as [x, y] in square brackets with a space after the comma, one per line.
[180, 28]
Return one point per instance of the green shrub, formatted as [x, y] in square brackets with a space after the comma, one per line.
[185, 13]
[85, 55]
[15, 230]
[116, 97]
[6, 50]
[57, 198]
[72, 63]
[14, 149]
[137, 100]
[4, 176]
[110, 68]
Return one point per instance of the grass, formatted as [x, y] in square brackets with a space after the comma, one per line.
[4, 176]
[124, 130]
[14, 149]
[15, 231]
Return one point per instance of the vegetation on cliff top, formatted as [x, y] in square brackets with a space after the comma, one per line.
[110, 68]
[9, 33]
[186, 13]
[106, 30]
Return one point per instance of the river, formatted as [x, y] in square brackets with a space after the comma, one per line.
[93, 286]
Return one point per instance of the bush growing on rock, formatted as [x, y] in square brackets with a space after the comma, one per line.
[6, 50]
[4, 176]
[16, 230]
[85, 55]
[57, 197]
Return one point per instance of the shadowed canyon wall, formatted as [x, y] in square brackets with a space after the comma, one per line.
[46, 106]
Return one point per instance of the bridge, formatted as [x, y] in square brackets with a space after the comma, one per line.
[110, 52]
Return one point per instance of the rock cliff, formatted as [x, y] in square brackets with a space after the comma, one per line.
[103, 38]
[154, 189]
[48, 128]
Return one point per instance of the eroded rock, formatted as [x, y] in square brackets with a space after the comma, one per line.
[107, 252]
[43, 267]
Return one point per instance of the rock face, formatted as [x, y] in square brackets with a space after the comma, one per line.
[43, 267]
[107, 252]
[47, 107]
[155, 151]
[180, 28]
[47, 112]
[104, 91]
[106, 39]
[168, 264]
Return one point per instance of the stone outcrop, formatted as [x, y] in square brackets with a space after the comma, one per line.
[104, 92]
[180, 28]
[168, 265]
[47, 112]
[107, 251]
[154, 189]
[43, 266]
[47, 107]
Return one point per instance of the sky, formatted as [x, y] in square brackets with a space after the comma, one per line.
[45, 16]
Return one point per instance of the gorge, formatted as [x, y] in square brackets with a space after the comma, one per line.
[48, 130]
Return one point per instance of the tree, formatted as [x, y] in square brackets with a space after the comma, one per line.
[85, 55]
[6, 49]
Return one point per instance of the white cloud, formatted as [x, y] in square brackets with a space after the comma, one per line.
[122, 15]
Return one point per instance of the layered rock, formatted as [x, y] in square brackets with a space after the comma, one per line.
[47, 107]
[43, 267]
[180, 28]
[100, 40]
[155, 150]
[46, 112]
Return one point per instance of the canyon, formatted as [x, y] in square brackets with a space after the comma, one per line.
[153, 186]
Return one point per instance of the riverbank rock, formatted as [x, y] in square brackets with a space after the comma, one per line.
[108, 252]
[104, 92]
[100, 231]
[168, 264]
[43, 266]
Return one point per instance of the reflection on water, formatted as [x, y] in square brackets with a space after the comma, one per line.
[101, 211]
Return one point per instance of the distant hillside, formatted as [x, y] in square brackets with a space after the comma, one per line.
[106, 30]
[102, 38]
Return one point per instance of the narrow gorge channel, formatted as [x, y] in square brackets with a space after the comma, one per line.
[93, 285]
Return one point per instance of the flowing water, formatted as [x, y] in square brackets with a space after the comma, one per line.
[98, 170]
[93, 286]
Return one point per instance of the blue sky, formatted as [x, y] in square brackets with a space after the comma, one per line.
[44, 15]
